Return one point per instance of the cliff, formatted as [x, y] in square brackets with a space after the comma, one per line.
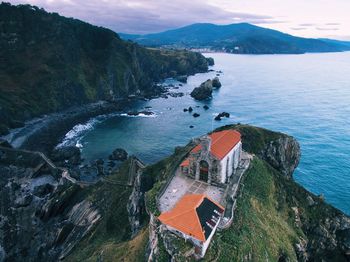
[49, 63]
[275, 218]
[44, 217]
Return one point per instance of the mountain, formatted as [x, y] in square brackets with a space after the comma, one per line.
[344, 44]
[242, 38]
[49, 63]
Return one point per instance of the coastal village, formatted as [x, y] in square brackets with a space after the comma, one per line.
[200, 196]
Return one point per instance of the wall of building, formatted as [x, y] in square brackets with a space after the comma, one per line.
[230, 161]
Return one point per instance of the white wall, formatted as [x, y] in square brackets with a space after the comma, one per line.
[207, 242]
[234, 157]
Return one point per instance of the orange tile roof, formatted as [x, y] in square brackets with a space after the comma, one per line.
[184, 217]
[186, 162]
[221, 143]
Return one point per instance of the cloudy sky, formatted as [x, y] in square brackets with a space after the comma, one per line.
[309, 18]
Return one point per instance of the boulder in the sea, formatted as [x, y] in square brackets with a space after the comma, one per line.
[223, 114]
[210, 61]
[191, 126]
[119, 154]
[206, 107]
[196, 115]
[185, 109]
[182, 78]
[190, 109]
[216, 82]
[179, 94]
[204, 91]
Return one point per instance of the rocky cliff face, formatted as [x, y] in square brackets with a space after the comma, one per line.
[49, 63]
[282, 154]
[42, 216]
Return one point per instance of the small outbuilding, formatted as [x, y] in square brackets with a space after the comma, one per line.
[195, 218]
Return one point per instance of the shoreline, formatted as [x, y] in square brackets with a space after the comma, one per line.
[43, 134]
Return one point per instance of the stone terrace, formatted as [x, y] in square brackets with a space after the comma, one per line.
[181, 185]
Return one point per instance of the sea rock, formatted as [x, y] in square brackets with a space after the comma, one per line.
[196, 115]
[210, 61]
[119, 154]
[191, 126]
[204, 91]
[182, 78]
[190, 109]
[206, 107]
[179, 94]
[216, 82]
[223, 114]
[185, 109]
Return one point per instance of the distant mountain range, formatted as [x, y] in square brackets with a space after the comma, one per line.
[242, 38]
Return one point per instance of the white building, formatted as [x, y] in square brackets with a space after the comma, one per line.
[215, 159]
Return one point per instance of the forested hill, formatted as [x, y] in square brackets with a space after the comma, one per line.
[49, 62]
[241, 38]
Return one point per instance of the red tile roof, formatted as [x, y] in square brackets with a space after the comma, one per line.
[221, 143]
[184, 217]
[186, 162]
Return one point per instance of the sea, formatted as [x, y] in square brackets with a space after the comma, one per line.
[306, 96]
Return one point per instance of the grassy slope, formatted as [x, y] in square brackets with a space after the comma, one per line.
[263, 224]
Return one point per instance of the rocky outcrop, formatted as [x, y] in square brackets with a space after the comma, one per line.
[216, 82]
[283, 154]
[210, 61]
[182, 78]
[136, 206]
[221, 115]
[40, 218]
[204, 91]
[119, 154]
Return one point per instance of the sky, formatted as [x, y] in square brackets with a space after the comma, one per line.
[307, 18]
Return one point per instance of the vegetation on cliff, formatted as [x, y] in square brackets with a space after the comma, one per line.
[276, 219]
[49, 62]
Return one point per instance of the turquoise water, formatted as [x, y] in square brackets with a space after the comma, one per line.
[307, 96]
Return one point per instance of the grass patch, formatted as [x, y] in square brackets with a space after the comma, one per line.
[261, 229]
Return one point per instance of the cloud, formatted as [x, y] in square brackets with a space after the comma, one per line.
[298, 28]
[141, 16]
[326, 29]
[307, 24]
[332, 24]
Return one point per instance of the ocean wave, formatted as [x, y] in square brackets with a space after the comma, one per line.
[139, 115]
[72, 137]
[75, 135]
